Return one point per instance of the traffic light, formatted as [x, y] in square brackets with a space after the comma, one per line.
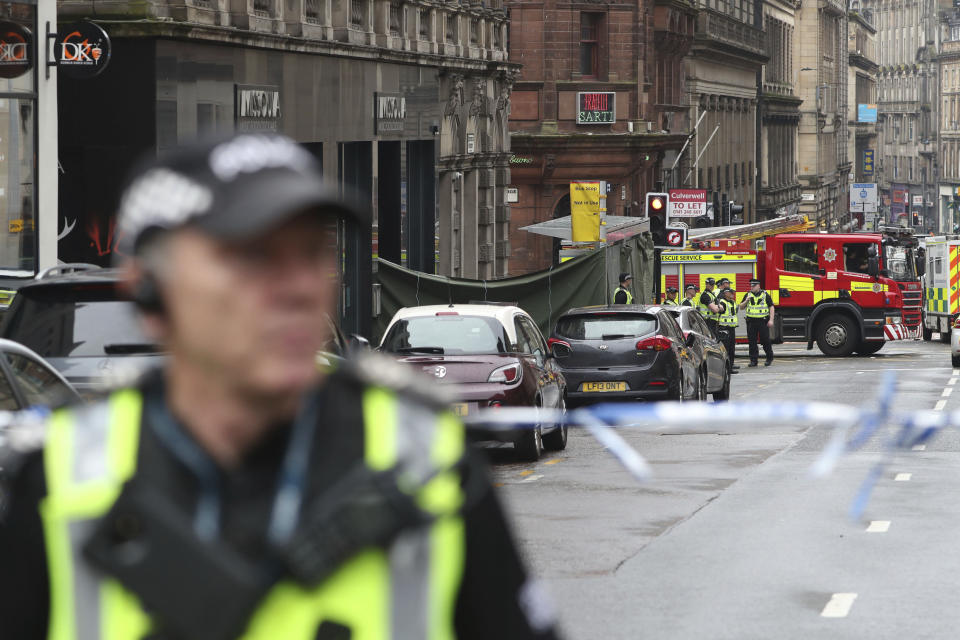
[656, 209]
[916, 218]
[735, 214]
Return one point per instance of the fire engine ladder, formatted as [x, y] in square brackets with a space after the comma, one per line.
[752, 231]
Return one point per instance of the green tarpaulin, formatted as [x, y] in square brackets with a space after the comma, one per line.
[588, 279]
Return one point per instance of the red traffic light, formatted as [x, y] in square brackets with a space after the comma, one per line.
[656, 205]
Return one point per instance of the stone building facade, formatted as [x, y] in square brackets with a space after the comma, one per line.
[862, 99]
[722, 69]
[778, 190]
[821, 66]
[404, 101]
[907, 32]
[601, 95]
[948, 138]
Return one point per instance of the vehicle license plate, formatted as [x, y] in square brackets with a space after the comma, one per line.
[459, 409]
[604, 386]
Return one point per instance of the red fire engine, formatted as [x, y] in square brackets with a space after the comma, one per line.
[827, 288]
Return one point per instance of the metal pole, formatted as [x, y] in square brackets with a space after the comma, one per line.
[687, 143]
[696, 163]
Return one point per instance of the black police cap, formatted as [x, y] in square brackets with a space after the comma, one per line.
[230, 189]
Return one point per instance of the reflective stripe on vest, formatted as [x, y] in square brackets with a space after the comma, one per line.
[757, 306]
[629, 295]
[408, 591]
[705, 310]
[670, 303]
[729, 316]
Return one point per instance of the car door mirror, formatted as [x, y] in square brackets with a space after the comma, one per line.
[691, 339]
[873, 265]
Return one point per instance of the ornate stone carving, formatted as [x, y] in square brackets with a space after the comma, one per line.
[455, 100]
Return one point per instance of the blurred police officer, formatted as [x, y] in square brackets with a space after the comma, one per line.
[759, 315]
[671, 298]
[707, 304]
[690, 294]
[241, 492]
[622, 295]
[727, 301]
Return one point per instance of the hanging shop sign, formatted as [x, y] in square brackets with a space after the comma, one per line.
[596, 107]
[81, 50]
[257, 107]
[391, 112]
[15, 50]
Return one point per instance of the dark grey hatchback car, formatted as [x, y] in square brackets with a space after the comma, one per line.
[624, 352]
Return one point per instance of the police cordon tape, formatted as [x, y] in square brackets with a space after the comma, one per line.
[852, 427]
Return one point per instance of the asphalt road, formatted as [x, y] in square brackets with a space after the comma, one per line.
[733, 539]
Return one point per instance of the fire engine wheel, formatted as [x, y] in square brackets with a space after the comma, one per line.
[869, 348]
[837, 335]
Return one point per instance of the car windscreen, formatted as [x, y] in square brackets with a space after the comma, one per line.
[447, 334]
[79, 320]
[605, 326]
[899, 263]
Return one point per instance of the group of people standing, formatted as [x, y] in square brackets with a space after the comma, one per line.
[718, 305]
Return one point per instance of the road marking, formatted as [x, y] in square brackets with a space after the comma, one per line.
[839, 605]
[879, 526]
[859, 373]
[554, 461]
[530, 479]
[903, 477]
[946, 392]
[919, 447]
[940, 405]
[952, 381]
[956, 372]
[528, 472]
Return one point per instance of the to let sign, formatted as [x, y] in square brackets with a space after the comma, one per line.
[596, 107]
[687, 203]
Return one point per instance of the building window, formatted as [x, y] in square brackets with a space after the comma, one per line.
[424, 24]
[451, 34]
[311, 11]
[497, 37]
[396, 18]
[357, 12]
[955, 32]
[262, 8]
[589, 43]
[474, 31]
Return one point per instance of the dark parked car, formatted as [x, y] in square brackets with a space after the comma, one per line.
[491, 356]
[83, 326]
[708, 352]
[27, 381]
[625, 352]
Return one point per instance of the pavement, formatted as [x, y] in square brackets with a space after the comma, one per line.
[733, 538]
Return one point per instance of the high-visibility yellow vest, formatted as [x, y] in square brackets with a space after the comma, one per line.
[757, 306]
[705, 310]
[629, 295]
[729, 316]
[91, 451]
[670, 303]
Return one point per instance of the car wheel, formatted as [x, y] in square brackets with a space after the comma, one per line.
[724, 393]
[530, 445]
[556, 440]
[837, 336]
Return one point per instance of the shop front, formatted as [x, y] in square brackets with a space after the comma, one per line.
[372, 126]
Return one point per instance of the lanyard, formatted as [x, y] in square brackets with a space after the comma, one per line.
[288, 496]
